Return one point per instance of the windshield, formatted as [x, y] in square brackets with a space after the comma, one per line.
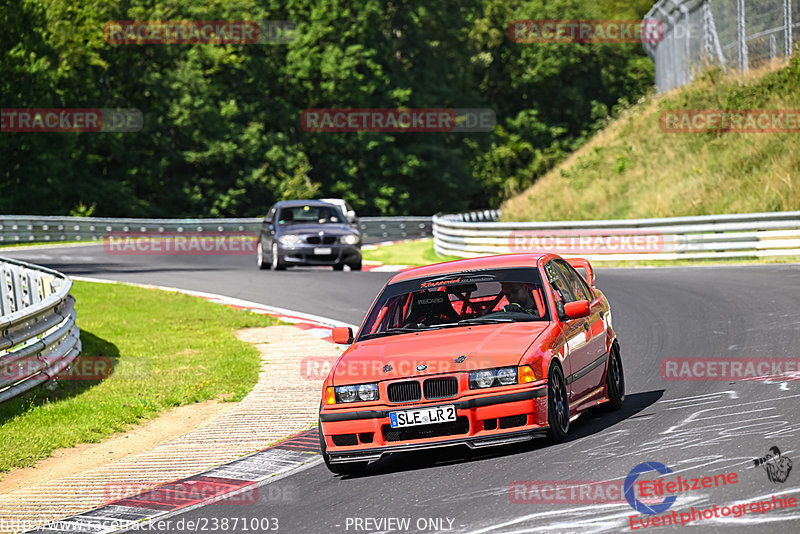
[310, 215]
[459, 299]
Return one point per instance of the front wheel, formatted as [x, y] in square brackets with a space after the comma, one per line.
[277, 262]
[350, 468]
[355, 266]
[615, 380]
[262, 264]
[557, 405]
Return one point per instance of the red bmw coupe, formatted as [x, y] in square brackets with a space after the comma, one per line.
[477, 352]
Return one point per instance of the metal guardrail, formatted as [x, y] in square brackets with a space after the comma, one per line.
[38, 335]
[747, 235]
[35, 228]
[27, 229]
[375, 229]
[730, 33]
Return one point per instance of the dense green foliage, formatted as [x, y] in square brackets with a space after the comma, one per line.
[221, 132]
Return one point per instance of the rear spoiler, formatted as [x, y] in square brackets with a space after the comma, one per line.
[584, 268]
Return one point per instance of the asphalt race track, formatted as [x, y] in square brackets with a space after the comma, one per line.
[696, 428]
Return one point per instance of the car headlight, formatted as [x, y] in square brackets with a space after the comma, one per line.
[481, 379]
[507, 376]
[346, 393]
[362, 392]
[349, 239]
[503, 376]
[290, 240]
[368, 392]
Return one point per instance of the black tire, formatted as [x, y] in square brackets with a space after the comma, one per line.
[355, 266]
[277, 261]
[338, 266]
[350, 468]
[615, 380]
[557, 404]
[263, 265]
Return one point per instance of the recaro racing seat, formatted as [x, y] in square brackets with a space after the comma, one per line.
[430, 308]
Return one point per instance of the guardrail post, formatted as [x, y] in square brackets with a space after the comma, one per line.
[686, 73]
[16, 290]
[744, 62]
[33, 288]
[6, 303]
[787, 27]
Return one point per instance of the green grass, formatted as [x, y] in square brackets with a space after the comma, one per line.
[168, 350]
[633, 169]
[417, 252]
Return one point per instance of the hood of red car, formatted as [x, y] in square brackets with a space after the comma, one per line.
[446, 350]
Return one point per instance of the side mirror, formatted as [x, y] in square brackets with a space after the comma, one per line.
[343, 335]
[352, 219]
[577, 309]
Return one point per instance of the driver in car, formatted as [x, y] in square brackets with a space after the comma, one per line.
[519, 298]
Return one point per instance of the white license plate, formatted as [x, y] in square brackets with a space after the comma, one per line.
[423, 416]
[322, 251]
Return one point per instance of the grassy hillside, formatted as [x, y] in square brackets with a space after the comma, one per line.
[634, 169]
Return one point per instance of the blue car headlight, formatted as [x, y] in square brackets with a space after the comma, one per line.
[349, 239]
[290, 240]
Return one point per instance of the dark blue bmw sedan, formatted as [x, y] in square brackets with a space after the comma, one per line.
[307, 232]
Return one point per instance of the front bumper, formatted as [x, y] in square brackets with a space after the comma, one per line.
[482, 421]
[306, 254]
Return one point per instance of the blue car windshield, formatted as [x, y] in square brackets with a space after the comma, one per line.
[310, 215]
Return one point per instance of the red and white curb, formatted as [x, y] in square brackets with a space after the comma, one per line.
[234, 483]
